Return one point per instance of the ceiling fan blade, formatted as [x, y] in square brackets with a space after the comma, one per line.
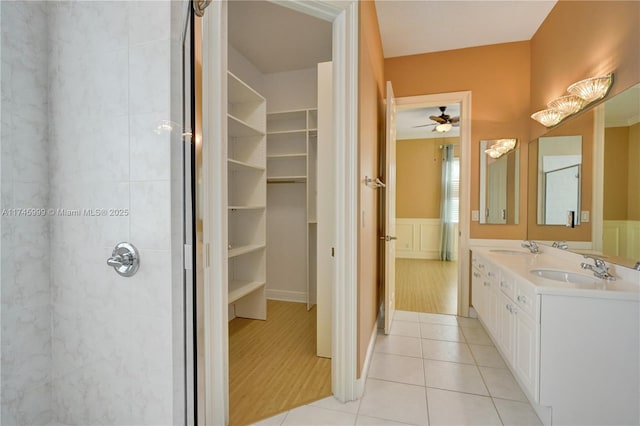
[438, 119]
[454, 120]
[424, 125]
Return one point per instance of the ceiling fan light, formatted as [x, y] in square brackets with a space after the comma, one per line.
[568, 105]
[591, 89]
[443, 128]
[548, 117]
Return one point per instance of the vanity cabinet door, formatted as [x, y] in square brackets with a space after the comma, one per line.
[507, 326]
[492, 300]
[477, 291]
[526, 359]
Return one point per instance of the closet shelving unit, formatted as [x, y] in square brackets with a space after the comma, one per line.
[247, 199]
[292, 159]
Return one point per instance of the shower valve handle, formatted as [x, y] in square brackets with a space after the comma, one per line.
[124, 259]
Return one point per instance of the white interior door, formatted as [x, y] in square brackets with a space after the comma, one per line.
[326, 208]
[390, 213]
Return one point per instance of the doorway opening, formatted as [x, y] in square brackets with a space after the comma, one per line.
[427, 207]
[443, 236]
[270, 231]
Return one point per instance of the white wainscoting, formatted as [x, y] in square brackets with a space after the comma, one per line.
[419, 238]
[621, 238]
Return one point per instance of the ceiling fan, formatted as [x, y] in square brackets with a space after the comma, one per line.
[443, 122]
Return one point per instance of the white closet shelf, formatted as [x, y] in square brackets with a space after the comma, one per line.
[247, 207]
[286, 179]
[239, 251]
[301, 155]
[239, 289]
[239, 128]
[288, 132]
[235, 165]
[240, 92]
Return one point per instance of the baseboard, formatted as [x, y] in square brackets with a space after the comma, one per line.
[287, 295]
[362, 381]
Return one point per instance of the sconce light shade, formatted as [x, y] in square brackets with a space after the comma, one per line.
[548, 117]
[501, 147]
[591, 89]
[443, 128]
[567, 105]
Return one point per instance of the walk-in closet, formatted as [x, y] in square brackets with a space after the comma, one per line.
[278, 64]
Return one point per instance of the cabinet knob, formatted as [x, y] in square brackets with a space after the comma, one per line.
[491, 274]
[481, 265]
[521, 299]
[503, 284]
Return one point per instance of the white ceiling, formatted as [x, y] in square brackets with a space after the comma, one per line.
[412, 27]
[275, 38]
[407, 119]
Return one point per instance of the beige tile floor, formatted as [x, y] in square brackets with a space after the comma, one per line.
[431, 370]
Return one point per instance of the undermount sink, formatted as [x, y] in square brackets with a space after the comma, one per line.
[566, 277]
[507, 251]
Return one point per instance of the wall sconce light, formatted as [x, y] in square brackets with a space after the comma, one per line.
[592, 89]
[501, 147]
[443, 128]
[548, 117]
[582, 94]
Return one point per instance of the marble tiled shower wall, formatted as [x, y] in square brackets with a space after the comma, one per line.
[84, 87]
[26, 339]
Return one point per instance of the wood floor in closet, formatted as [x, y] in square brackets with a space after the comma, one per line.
[427, 286]
[273, 365]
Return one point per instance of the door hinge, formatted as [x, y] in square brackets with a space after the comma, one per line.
[333, 252]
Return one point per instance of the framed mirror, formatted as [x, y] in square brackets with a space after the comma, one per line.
[609, 181]
[499, 181]
[559, 180]
[620, 161]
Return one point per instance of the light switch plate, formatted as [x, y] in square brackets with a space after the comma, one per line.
[475, 215]
[584, 216]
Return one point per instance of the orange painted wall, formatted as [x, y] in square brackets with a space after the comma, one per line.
[371, 131]
[581, 39]
[419, 176]
[498, 77]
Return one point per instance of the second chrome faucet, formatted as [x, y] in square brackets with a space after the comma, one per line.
[599, 268]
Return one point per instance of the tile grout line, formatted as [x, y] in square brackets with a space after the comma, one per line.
[424, 374]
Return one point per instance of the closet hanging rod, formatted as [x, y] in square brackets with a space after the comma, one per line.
[284, 181]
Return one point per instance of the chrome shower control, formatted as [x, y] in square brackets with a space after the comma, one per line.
[124, 259]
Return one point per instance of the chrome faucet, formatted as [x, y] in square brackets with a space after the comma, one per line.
[599, 268]
[531, 245]
[562, 245]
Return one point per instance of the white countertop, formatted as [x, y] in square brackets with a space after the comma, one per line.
[625, 287]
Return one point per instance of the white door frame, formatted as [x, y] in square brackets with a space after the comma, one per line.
[464, 98]
[344, 15]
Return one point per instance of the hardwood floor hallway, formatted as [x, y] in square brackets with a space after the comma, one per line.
[427, 286]
[273, 365]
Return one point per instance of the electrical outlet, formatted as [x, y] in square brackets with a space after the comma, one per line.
[584, 216]
[475, 215]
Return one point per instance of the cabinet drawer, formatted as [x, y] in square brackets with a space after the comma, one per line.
[525, 298]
